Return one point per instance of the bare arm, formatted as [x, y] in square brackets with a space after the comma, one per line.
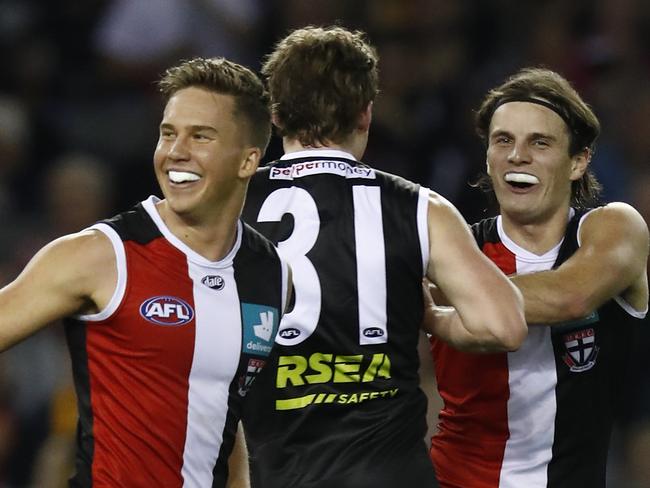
[490, 315]
[238, 474]
[611, 261]
[69, 275]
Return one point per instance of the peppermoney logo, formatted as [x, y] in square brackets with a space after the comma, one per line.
[330, 369]
[340, 168]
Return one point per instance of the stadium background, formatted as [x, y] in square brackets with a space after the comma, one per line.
[79, 116]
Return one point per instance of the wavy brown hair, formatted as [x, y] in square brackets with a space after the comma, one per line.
[219, 75]
[552, 90]
[320, 81]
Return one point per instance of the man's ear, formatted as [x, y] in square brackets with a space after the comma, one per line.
[579, 164]
[365, 119]
[274, 120]
[487, 167]
[250, 162]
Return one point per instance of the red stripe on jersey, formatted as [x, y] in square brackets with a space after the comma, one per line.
[139, 376]
[475, 392]
[501, 256]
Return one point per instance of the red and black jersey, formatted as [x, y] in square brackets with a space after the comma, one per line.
[540, 417]
[162, 371]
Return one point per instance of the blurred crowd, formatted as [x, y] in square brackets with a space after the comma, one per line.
[79, 114]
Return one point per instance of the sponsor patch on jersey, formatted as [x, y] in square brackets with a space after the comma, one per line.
[581, 350]
[215, 282]
[340, 168]
[289, 333]
[373, 332]
[166, 310]
[260, 327]
[252, 370]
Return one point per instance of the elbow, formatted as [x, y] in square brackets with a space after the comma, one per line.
[514, 330]
[515, 336]
[507, 338]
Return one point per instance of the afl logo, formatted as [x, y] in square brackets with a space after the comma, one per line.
[215, 282]
[289, 333]
[373, 332]
[166, 310]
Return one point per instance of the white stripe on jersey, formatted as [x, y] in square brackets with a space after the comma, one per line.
[531, 412]
[120, 263]
[423, 226]
[217, 347]
[371, 264]
[532, 379]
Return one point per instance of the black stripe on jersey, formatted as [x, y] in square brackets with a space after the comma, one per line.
[75, 331]
[485, 231]
[258, 274]
[570, 242]
[134, 225]
[403, 273]
[588, 401]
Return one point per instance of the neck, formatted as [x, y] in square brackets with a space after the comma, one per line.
[352, 145]
[211, 235]
[538, 237]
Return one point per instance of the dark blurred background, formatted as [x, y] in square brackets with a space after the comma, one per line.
[79, 115]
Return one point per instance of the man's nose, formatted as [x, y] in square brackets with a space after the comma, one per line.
[519, 154]
[179, 149]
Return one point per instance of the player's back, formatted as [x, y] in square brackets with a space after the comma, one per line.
[339, 402]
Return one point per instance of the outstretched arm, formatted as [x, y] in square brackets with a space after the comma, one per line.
[72, 274]
[489, 308]
[611, 261]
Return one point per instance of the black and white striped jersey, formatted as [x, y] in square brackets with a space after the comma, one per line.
[339, 403]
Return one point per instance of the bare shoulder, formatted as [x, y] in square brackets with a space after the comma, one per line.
[75, 273]
[88, 247]
[84, 262]
[441, 208]
[616, 218]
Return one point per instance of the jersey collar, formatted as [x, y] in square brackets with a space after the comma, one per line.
[318, 153]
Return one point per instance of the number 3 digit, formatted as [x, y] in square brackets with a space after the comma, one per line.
[301, 322]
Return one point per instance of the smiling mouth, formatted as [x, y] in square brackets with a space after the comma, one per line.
[179, 177]
[521, 180]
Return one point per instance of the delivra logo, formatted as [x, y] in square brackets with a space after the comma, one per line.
[166, 310]
[260, 324]
[264, 330]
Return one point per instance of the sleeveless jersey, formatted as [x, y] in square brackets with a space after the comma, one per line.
[339, 403]
[162, 371]
[541, 416]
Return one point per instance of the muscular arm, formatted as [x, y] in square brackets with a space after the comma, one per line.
[71, 274]
[611, 261]
[489, 308]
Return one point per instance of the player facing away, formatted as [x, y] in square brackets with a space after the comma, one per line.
[339, 402]
[541, 416]
[171, 308]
